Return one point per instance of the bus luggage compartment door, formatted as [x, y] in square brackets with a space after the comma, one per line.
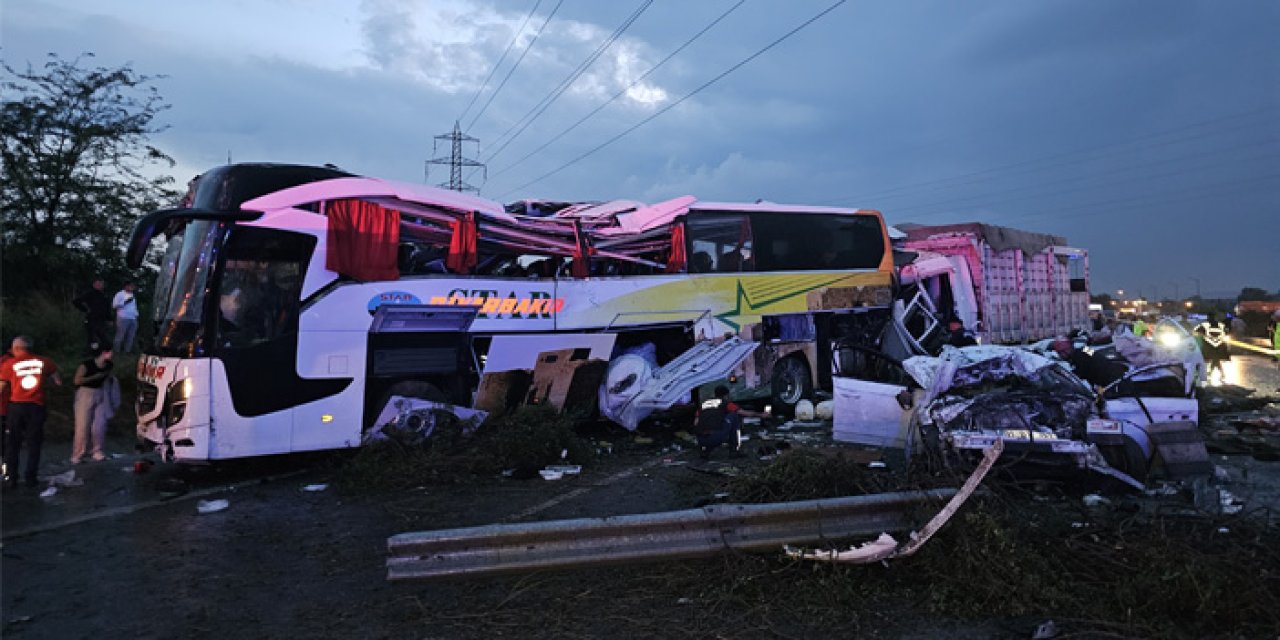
[425, 343]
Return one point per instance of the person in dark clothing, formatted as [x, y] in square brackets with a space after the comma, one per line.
[717, 421]
[25, 378]
[957, 336]
[96, 308]
[1212, 335]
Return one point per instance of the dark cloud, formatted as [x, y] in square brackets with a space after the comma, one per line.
[1145, 131]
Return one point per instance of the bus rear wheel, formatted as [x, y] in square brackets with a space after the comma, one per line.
[791, 383]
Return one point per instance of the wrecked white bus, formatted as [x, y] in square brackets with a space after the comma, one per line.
[292, 302]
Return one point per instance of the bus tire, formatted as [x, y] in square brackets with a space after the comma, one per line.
[791, 383]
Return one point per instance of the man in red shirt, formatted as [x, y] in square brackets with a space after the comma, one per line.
[24, 378]
[4, 408]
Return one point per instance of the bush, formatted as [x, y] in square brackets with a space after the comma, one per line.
[533, 437]
[50, 320]
[525, 440]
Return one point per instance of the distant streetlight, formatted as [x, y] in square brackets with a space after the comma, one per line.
[1119, 292]
[1188, 304]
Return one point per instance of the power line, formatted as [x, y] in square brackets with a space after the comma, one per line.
[673, 105]
[564, 85]
[1056, 156]
[619, 94]
[515, 66]
[514, 37]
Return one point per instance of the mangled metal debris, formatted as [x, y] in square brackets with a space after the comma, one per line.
[413, 420]
[886, 546]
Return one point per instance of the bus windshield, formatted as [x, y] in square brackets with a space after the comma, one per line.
[182, 287]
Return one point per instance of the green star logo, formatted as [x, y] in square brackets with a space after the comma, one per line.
[771, 296]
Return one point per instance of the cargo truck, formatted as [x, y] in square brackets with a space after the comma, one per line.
[1007, 286]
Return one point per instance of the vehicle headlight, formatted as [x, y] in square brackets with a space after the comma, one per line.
[1170, 339]
[176, 399]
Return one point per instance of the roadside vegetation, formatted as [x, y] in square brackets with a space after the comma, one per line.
[518, 444]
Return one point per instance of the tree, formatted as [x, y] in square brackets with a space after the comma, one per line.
[77, 172]
[1253, 293]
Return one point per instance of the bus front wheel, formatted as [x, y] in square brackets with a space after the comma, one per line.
[791, 384]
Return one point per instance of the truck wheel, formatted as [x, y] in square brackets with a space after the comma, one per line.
[791, 384]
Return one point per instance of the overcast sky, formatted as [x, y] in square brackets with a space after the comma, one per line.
[1145, 132]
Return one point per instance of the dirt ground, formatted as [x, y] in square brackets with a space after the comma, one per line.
[116, 558]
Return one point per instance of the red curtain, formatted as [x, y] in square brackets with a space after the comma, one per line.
[462, 246]
[678, 259]
[581, 267]
[364, 239]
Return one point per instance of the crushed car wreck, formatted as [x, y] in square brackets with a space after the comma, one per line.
[1049, 420]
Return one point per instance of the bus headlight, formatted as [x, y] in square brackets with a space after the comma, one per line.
[176, 399]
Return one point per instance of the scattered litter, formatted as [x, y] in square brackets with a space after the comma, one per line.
[1094, 500]
[566, 469]
[1229, 503]
[643, 440]
[674, 463]
[49, 492]
[315, 487]
[804, 410]
[19, 619]
[564, 453]
[548, 474]
[1223, 530]
[825, 410]
[881, 548]
[66, 479]
[1079, 525]
[1220, 474]
[1048, 629]
[876, 464]
[721, 496]
[1163, 490]
[507, 473]
[212, 506]
[117, 456]
[684, 601]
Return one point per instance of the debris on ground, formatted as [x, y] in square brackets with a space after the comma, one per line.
[65, 479]
[212, 506]
[315, 487]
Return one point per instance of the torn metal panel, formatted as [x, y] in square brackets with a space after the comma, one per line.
[886, 547]
[413, 420]
[632, 390]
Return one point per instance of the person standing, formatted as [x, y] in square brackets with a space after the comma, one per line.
[5, 357]
[125, 304]
[1140, 327]
[96, 308]
[1273, 332]
[1213, 337]
[92, 406]
[25, 377]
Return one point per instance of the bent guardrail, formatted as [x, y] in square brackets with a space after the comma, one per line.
[582, 542]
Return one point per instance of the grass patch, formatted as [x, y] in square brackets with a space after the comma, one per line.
[524, 441]
[1008, 556]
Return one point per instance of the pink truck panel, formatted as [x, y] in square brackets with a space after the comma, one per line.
[1028, 286]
